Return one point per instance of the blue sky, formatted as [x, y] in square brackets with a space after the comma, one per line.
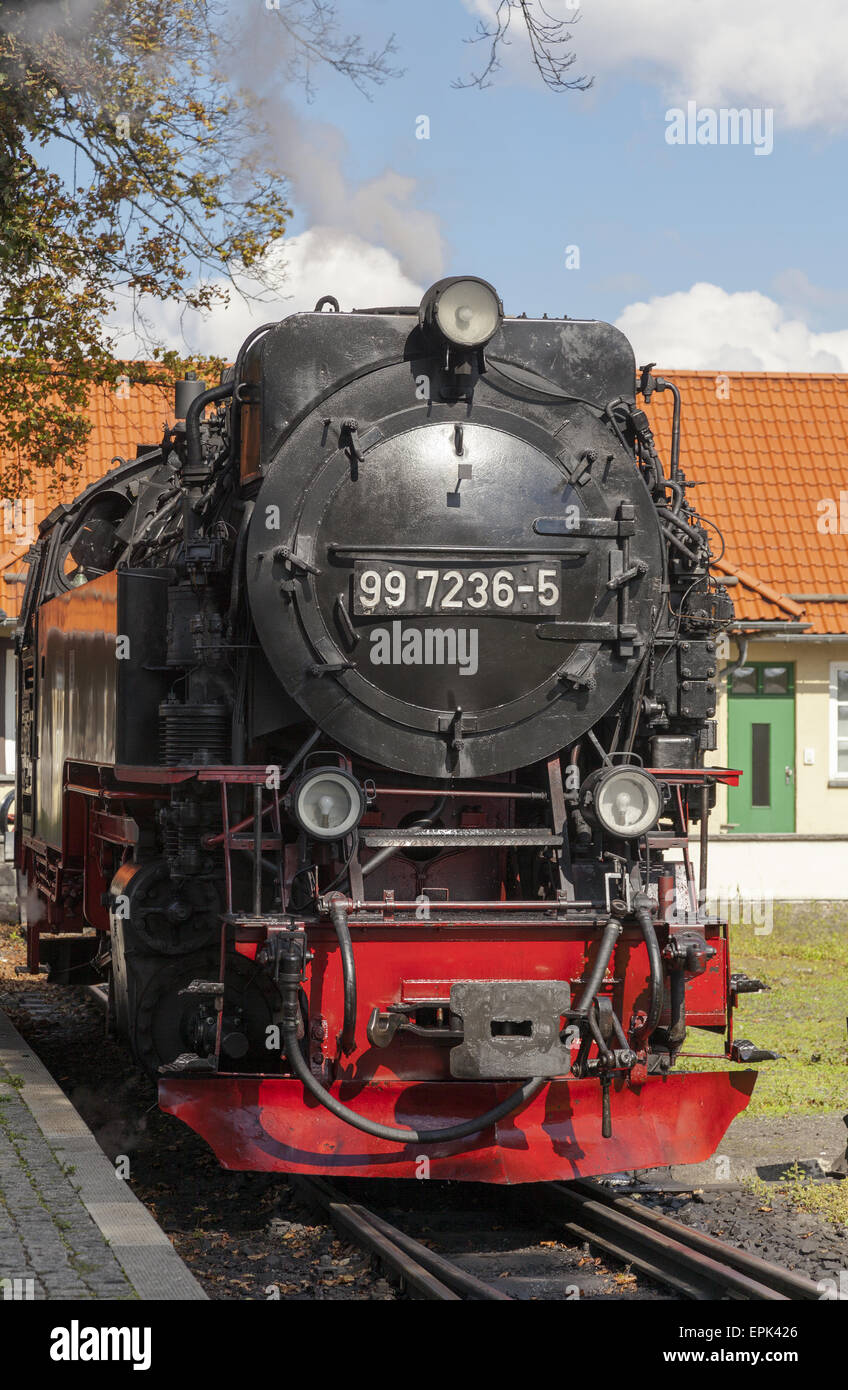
[514, 174]
[517, 172]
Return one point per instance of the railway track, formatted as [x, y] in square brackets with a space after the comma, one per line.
[424, 1273]
[688, 1263]
[694, 1264]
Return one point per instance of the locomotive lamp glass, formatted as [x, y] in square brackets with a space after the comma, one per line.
[328, 803]
[627, 801]
[465, 311]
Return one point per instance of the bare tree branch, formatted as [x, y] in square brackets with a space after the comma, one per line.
[549, 41]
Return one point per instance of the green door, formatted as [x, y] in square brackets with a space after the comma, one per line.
[761, 741]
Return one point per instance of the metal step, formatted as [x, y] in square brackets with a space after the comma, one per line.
[457, 839]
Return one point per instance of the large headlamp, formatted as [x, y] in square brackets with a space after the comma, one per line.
[463, 310]
[328, 803]
[624, 801]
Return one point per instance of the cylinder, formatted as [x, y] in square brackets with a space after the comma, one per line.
[185, 392]
[667, 897]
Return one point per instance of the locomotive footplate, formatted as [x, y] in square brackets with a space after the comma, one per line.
[511, 1028]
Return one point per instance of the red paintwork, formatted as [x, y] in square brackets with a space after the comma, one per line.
[267, 1122]
[685, 776]
[270, 1124]
[407, 960]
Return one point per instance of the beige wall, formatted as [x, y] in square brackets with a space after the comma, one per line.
[819, 809]
[812, 863]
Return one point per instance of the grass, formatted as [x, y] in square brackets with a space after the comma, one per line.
[826, 1199]
[803, 1015]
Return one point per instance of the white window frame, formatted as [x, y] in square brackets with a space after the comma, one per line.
[9, 712]
[835, 777]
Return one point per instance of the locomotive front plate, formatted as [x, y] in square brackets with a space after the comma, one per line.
[384, 588]
[409, 605]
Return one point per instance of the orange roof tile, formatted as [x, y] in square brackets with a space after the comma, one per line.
[769, 454]
[767, 451]
[122, 418]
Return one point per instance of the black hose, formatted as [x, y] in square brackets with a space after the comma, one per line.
[674, 466]
[677, 1028]
[193, 415]
[612, 931]
[677, 490]
[404, 1136]
[289, 979]
[741, 660]
[678, 521]
[679, 545]
[646, 926]
[338, 916]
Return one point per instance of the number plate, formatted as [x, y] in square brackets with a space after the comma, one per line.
[381, 588]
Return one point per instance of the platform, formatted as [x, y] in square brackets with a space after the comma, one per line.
[69, 1226]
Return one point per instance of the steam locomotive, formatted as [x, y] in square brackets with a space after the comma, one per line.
[362, 724]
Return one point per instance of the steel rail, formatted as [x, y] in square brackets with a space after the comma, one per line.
[793, 1286]
[424, 1273]
[100, 995]
[698, 1265]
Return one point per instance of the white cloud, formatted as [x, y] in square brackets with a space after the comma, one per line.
[709, 327]
[315, 156]
[776, 53]
[322, 260]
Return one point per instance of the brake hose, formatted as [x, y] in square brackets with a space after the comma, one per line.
[289, 979]
[642, 906]
[338, 916]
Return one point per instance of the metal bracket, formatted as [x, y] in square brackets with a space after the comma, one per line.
[601, 528]
[745, 1051]
[625, 576]
[511, 1028]
[577, 470]
[455, 726]
[579, 669]
[331, 668]
[294, 561]
[189, 1062]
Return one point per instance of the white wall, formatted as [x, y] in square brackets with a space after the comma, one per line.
[784, 868]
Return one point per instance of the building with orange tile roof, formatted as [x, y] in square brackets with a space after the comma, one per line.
[769, 454]
[766, 451]
[124, 418]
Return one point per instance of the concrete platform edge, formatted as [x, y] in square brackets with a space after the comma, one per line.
[141, 1247]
